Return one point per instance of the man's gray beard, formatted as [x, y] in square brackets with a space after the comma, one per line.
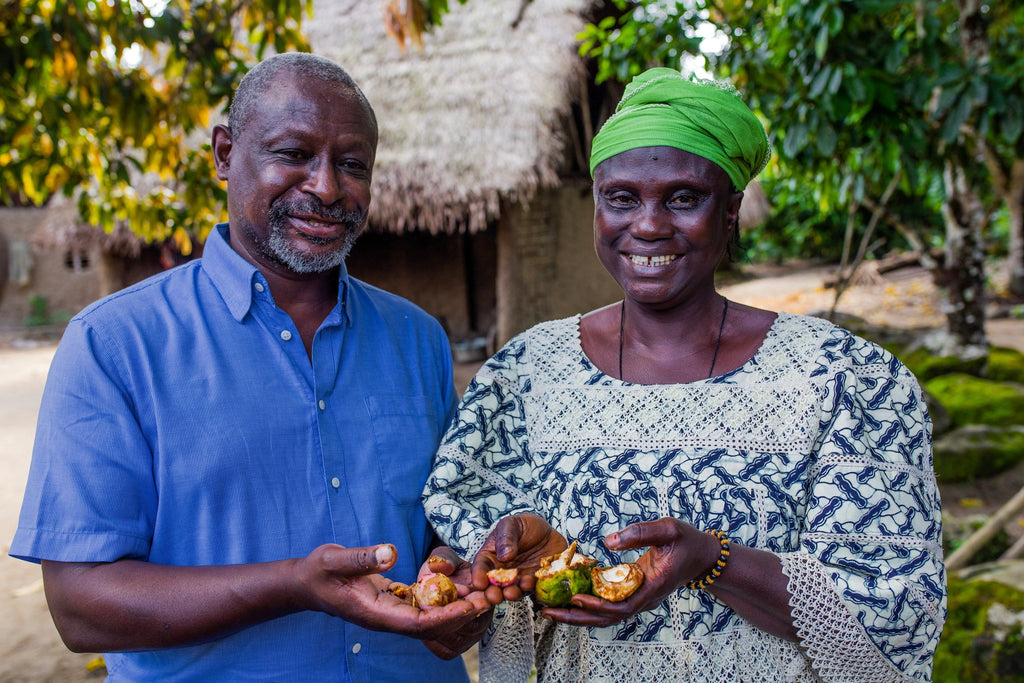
[280, 249]
[284, 252]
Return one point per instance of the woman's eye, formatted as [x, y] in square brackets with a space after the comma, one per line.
[683, 200]
[620, 200]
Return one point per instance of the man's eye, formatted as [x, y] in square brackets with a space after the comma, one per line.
[295, 154]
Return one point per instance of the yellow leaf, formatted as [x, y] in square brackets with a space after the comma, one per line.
[182, 241]
[28, 185]
[55, 177]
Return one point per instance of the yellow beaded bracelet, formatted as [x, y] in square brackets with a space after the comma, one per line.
[717, 567]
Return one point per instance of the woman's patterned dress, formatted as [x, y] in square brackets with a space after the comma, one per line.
[818, 449]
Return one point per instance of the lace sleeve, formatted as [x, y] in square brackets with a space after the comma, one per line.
[869, 587]
[481, 469]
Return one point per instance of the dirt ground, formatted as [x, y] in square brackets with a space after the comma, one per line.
[31, 650]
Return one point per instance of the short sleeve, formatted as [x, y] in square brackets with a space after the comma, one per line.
[90, 495]
[870, 568]
[482, 466]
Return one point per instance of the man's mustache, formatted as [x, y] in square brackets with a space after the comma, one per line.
[350, 218]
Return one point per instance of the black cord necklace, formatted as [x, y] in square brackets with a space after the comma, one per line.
[714, 356]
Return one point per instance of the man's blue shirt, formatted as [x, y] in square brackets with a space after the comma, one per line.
[183, 424]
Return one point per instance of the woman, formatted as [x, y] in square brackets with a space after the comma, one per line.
[770, 473]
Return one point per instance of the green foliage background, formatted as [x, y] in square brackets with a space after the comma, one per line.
[103, 96]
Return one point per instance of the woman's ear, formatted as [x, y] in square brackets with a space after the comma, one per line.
[733, 218]
[734, 209]
[221, 144]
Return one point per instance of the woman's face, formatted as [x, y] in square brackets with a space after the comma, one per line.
[662, 223]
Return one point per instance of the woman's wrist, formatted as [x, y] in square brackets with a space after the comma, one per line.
[715, 569]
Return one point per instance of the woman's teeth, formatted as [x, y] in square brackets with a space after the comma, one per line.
[652, 260]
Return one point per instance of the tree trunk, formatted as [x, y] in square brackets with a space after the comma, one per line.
[1015, 207]
[963, 273]
[4, 262]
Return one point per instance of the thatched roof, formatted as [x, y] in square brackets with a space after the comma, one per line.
[478, 116]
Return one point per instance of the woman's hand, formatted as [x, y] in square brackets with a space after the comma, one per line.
[517, 541]
[678, 553]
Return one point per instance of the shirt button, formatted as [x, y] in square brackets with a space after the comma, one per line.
[356, 648]
[335, 482]
[258, 286]
[322, 404]
[286, 335]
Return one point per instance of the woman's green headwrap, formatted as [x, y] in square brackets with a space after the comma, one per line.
[661, 107]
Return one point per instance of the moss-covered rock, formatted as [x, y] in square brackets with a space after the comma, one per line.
[1005, 365]
[926, 365]
[972, 400]
[941, 422]
[977, 451]
[977, 644]
[1002, 364]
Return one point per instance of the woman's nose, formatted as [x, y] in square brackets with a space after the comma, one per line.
[652, 223]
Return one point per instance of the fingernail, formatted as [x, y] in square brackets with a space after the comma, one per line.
[384, 554]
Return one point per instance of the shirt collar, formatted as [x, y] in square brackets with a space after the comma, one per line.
[236, 279]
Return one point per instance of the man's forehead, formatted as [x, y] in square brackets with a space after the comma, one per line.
[295, 100]
[306, 92]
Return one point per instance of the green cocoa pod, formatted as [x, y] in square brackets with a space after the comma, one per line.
[557, 590]
[562, 576]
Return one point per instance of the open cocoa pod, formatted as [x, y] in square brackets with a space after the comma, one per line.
[617, 583]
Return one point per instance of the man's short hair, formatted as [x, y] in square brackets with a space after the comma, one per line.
[257, 81]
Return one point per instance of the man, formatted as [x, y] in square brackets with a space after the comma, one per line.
[229, 453]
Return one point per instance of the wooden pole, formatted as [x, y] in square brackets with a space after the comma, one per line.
[1014, 551]
[979, 538]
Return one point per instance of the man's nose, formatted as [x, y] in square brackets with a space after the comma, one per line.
[323, 181]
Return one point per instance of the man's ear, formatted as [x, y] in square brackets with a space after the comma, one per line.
[221, 144]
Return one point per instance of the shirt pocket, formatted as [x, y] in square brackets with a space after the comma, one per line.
[406, 433]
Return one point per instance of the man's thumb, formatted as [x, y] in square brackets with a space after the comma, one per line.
[361, 561]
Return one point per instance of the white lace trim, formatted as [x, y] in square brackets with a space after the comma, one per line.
[922, 599]
[507, 650]
[490, 476]
[567, 654]
[772, 405]
[872, 370]
[835, 641]
[860, 461]
[878, 539]
[864, 460]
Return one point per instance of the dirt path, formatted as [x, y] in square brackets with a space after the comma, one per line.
[30, 649]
